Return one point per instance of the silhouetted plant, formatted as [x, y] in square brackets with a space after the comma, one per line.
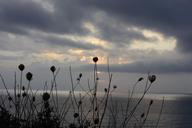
[86, 109]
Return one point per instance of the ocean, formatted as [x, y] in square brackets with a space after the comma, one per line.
[176, 113]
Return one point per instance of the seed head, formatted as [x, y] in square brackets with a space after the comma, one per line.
[140, 79]
[29, 76]
[142, 115]
[152, 78]
[24, 94]
[96, 121]
[23, 88]
[18, 95]
[10, 98]
[53, 68]
[80, 75]
[75, 115]
[80, 102]
[105, 90]
[151, 102]
[33, 98]
[46, 96]
[95, 59]
[21, 67]
[114, 86]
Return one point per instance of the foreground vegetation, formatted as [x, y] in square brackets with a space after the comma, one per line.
[22, 109]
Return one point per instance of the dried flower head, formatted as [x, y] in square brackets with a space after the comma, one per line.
[152, 78]
[151, 102]
[105, 90]
[10, 98]
[75, 115]
[80, 75]
[140, 79]
[96, 121]
[18, 95]
[24, 94]
[21, 67]
[142, 115]
[46, 96]
[53, 68]
[95, 59]
[23, 88]
[29, 76]
[33, 98]
[114, 86]
[80, 102]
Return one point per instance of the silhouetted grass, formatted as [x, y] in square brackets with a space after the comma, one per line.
[83, 110]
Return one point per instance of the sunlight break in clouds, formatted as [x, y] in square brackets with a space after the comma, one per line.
[50, 56]
[90, 27]
[89, 40]
[157, 41]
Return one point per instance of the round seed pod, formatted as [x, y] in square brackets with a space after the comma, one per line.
[80, 75]
[33, 99]
[21, 67]
[140, 79]
[75, 115]
[53, 68]
[95, 59]
[29, 76]
[10, 98]
[24, 94]
[46, 96]
[152, 78]
[114, 86]
[142, 115]
[96, 121]
[151, 102]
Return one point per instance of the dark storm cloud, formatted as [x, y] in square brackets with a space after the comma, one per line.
[21, 13]
[117, 33]
[18, 16]
[171, 17]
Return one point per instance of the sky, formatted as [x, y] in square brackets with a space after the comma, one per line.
[136, 37]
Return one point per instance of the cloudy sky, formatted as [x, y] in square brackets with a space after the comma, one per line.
[137, 37]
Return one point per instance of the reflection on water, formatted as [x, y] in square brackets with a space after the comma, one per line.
[177, 111]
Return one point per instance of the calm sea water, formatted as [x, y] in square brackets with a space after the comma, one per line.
[177, 110]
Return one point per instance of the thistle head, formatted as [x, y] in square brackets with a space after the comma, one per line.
[96, 121]
[152, 78]
[95, 59]
[29, 76]
[53, 68]
[142, 115]
[151, 102]
[140, 79]
[46, 96]
[114, 86]
[75, 115]
[21, 67]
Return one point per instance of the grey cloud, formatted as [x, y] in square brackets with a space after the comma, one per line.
[171, 17]
[117, 31]
[21, 13]
[159, 66]
[67, 43]
[18, 16]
